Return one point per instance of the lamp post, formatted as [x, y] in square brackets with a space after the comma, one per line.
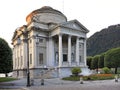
[26, 40]
[28, 71]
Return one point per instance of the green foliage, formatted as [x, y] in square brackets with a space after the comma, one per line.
[5, 57]
[91, 77]
[75, 71]
[6, 79]
[73, 78]
[101, 61]
[104, 40]
[89, 60]
[112, 58]
[94, 63]
[106, 70]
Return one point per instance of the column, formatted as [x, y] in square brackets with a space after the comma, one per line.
[60, 51]
[24, 55]
[51, 52]
[77, 50]
[85, 52]
[34, 52]
[69, 50]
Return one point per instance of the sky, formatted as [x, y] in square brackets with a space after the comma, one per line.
[93, 14]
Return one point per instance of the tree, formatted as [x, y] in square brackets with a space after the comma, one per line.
[75, 71]
[89, 59]
[5, 57]
[112, 58]
[106, 70]
[101, 60]
[94, 63]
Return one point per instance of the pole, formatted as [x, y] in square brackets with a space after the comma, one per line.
[28, 71]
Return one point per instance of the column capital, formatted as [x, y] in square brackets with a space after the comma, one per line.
[69, 35]
[60, 34]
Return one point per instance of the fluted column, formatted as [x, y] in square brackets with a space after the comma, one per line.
[77, 50]
[85, 52]
[69, 49]
[34, 59]
[60, 51]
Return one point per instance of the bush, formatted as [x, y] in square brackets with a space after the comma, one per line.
[91, 77]
[76, 71]
[106, 70]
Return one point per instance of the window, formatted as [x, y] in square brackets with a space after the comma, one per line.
[30, 58]
[40, 40]
[80, 59]
[64, 57]
[41, 58]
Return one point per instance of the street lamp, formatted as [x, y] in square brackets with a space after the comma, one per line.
[28, 71]
[26, 40]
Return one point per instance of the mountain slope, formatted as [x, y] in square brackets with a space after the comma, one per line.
[102, 41]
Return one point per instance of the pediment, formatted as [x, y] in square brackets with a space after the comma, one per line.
[76, 25]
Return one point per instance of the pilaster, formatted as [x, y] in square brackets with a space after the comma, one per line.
[69, 49]
[77, 50]
[85, 52]
[60, 50]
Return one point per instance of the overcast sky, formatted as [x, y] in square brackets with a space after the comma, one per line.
[93, 14]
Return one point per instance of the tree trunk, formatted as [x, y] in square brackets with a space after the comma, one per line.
[6, 75]
[115, 70]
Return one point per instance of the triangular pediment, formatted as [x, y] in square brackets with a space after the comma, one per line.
[76, 25]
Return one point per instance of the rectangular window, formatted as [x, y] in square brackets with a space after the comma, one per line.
[41, 58]
[40, 40]
[80, 59]
[30, 58]
[64, 57]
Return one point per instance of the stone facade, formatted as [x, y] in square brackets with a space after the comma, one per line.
[52, 44]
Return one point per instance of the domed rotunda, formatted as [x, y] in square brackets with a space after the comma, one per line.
[49, 44]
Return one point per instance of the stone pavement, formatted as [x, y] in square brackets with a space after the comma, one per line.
[57, 84]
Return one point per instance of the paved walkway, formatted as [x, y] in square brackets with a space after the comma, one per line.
[57, 84]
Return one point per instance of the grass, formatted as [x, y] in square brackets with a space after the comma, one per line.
[6, 79]
[91, 77]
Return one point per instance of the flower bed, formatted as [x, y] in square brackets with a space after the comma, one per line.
[99, 77]
[91, 77]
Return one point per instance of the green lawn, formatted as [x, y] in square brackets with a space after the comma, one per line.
[6, 79]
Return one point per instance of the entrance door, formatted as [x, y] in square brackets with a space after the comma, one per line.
[64, 57]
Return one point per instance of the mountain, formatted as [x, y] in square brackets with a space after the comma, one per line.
[104, 40]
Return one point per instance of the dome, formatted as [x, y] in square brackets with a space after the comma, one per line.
[46, 14]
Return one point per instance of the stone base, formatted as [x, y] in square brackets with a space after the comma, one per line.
[58, 72]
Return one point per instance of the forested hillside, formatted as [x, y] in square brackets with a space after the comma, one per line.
[102, 41]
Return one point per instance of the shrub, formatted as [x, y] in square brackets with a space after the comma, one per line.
[76, 71]
[91, 77]
[106, 70]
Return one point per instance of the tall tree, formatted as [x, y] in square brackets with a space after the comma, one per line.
[94, 63]
[5, 57]
[101, 60]
[89, 60]
[112, 58]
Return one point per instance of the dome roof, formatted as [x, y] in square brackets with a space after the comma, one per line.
[42, 11]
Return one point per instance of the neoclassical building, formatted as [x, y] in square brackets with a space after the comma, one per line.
[51, 43]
